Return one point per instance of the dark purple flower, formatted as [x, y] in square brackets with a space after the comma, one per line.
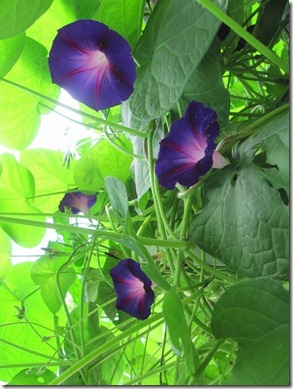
[77, 202]
[133, 289]
[188, 151]
[93, 63]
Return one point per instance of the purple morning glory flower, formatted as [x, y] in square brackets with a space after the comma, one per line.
[133, 289]
[188, 151]
[93, 63]
[77, 202]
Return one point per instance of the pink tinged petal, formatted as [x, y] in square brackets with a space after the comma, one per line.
[219, 161]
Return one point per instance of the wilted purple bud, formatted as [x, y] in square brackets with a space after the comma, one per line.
[77, 202]
[93, 63]
[133, 289]
[188, 151]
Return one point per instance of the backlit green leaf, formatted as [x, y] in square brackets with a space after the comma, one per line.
[19, 110]
[45, 272]
[17, 15]
[123, 16]
[5, 252]
[16, 196]
[10, 50]
[100, 161]
[50, 175]
[24, 324]
[255, 313]
[28, 377]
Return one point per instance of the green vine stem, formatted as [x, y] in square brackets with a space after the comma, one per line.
[117, 126]
[250, 39]
[229, 141]
[104, 234]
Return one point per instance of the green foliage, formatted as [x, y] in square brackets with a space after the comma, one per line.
[17, 16]
[100, 161]
[256, 314]
[168, 57]
[59, 324]
[123, 16]
[244, 220]
[54, 280]
[17, 190]
[20, 111]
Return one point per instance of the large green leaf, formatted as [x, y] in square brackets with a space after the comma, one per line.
[244, 221]
[255, 313]
[50, 175]
[20, 111]
[168, 56]
[16, 196]
[25, 322]
[206, 85]
[100, 161]
[45, 272]
[123, 16]
[5, 253]
[10, 50]
[61, 13]
[17, 15]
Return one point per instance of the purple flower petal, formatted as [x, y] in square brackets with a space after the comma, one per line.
[93, 63]
[77, 202]
[188, 151]
[133, 288]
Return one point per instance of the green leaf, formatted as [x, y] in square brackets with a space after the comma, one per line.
[20, 111]
[10, 50]
[35, 377]
[255, 313]
[50, 175]
[123, 16]
[17, 15]
[5, 253]
[273, 141]
[243, 222]
[176, 38]
[16, 194]
[100, 161]
[178, 329]
[22, 336]
[45, 272]
[206, 85]
[118, 197]
[61, 13]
